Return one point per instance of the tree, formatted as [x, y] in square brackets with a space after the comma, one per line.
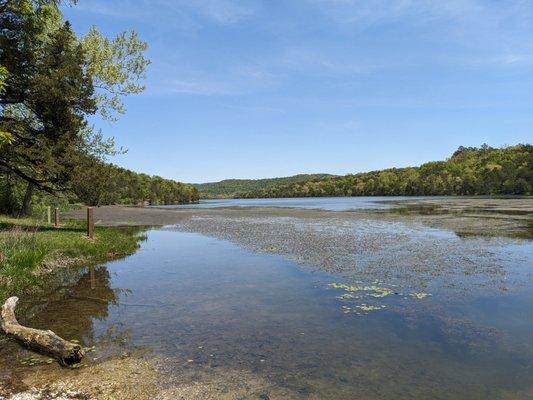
[46, 97]
[117, 66]
[5, 137]
[49, 66]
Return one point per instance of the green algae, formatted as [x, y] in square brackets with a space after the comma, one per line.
[420, 295]
[370, 307]
[375, 290]
[352, 293]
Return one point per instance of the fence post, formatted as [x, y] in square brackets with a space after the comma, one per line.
[90, 222]
[49, 214]
[56, 215]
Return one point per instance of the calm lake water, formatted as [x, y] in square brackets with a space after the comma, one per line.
[192, 297]
[323, 203]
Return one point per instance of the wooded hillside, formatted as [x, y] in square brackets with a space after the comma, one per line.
[236, 187]
[469, 171]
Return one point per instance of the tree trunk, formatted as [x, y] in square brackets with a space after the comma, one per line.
[46, 342]
[26, 204]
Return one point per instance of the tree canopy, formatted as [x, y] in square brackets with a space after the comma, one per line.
[46, 96]
[98, 183]
[235, 187]
[51, 81]
[469, 171]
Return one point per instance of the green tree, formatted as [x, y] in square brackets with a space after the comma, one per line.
[40, 142]
[46, 96]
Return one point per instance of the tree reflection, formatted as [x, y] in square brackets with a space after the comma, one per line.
[71, 308]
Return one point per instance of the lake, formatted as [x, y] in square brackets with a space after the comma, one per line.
[212, 306]
[323, 203]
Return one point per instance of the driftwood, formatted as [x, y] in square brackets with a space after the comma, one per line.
[47, 342]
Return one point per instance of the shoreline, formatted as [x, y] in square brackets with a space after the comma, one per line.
[466, 216]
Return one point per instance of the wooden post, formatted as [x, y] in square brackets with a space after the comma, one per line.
[90, 222]
[56, 215]
[49, 214]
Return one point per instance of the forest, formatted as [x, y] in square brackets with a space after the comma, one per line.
[102, 183]
[481, 170]
[52, 83]
[235, 187]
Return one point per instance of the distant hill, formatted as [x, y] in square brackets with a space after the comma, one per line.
[235, 187]
[469, 171]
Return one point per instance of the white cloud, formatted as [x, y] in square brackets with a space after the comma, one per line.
[230, 80]
[321, 62]
[224, 12]
[197, 87]
[104, 8]
[494, 33]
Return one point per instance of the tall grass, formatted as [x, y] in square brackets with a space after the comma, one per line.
[30, 248]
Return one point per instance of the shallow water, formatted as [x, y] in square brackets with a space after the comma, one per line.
[206, 302]
[322, 203]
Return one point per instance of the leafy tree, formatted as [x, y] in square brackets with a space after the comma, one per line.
[117, 66]
[49, 66]
[46, 96]
[5, 137]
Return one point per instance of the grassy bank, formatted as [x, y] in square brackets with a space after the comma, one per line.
[30, 248]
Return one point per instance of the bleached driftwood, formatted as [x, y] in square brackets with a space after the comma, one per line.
[47, 342]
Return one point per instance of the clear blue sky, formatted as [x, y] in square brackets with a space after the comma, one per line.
[250, 89]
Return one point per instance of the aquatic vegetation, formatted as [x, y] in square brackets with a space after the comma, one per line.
[346, 296]
[364, 308]
[370, 307]
[376, 290]
[89, 349]
[32, 361]
[420, 295]
[346, 309]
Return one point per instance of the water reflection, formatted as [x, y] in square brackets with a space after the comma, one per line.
[69, 304]
[72, 310]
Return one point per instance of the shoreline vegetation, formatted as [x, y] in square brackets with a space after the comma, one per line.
[31, 249]
[469, 171]
[97, 184]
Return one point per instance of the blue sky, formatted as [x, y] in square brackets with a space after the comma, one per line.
[251, 89]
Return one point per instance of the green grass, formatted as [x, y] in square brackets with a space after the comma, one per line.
[29, 249]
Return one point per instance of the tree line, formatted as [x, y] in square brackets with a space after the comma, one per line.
[234, 187]
[51, 82]
[97, 183]
[469, 171]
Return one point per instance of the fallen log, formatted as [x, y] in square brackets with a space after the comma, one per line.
[47, 342]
